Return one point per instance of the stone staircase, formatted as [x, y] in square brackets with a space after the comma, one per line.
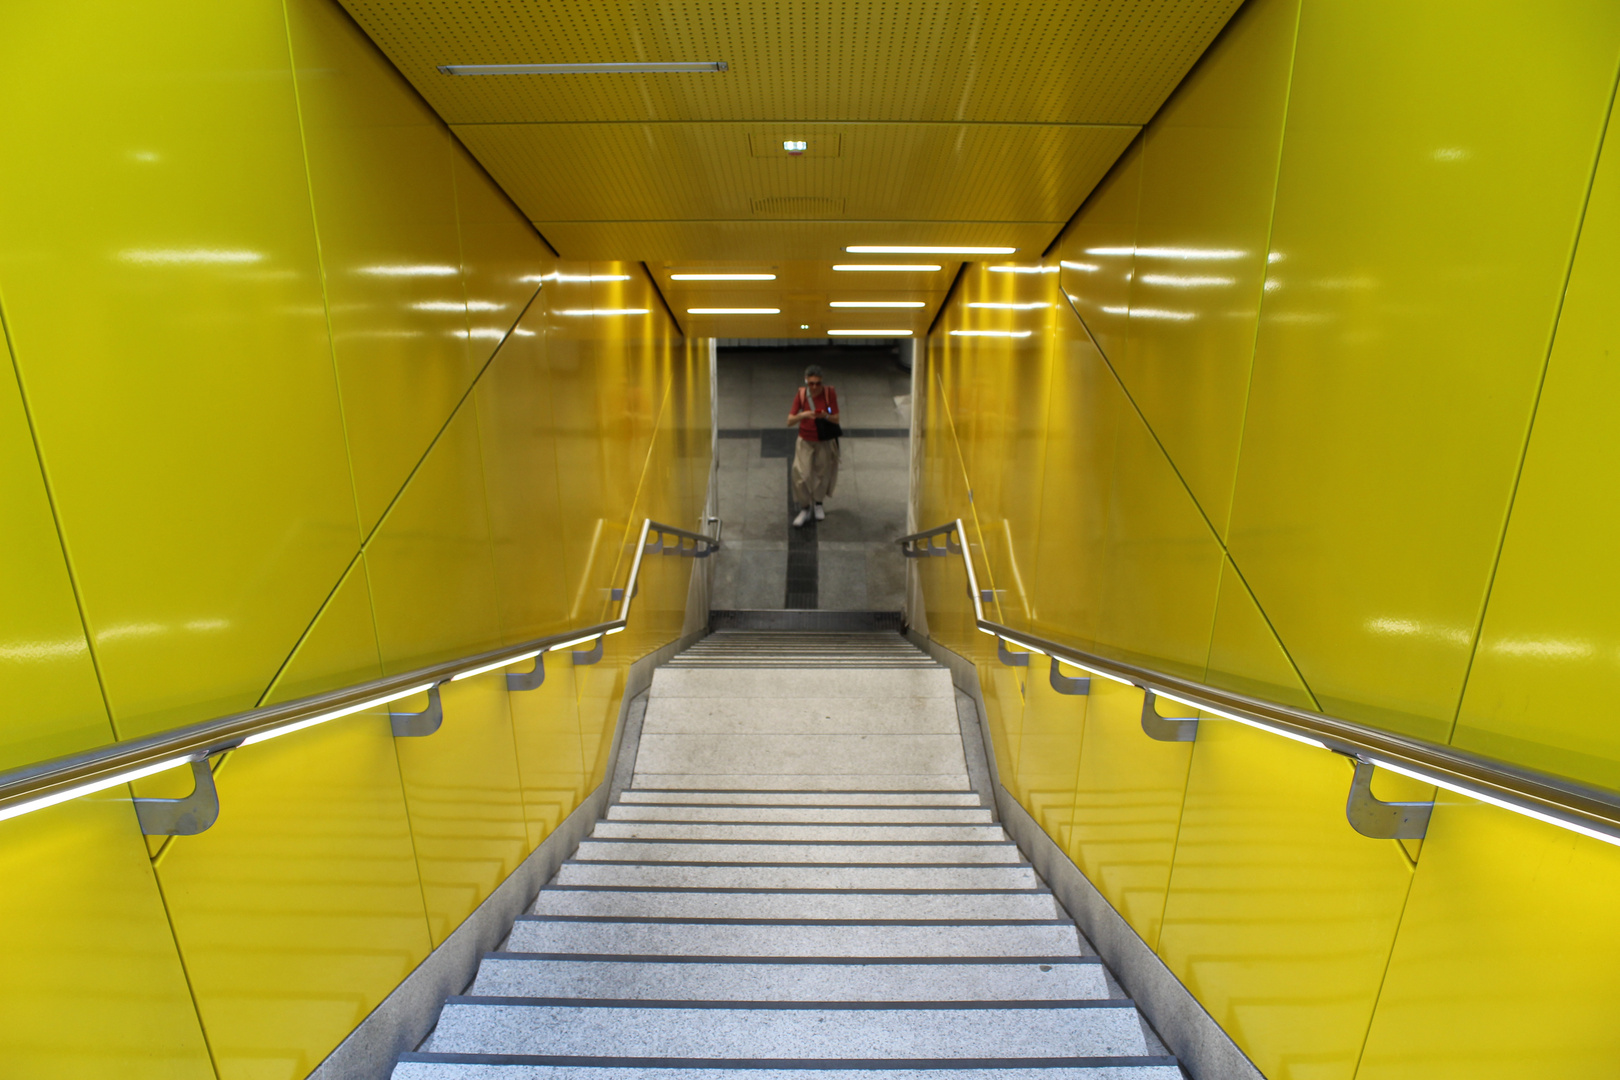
[798, 880]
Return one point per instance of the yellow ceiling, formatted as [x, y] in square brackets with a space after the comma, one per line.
[969, 122]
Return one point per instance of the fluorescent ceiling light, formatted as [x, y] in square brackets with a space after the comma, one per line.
[535, 279]
[637, 67]
[734, 311]
[991, 333]
[409, 271]
[604, 311]
[892, 268]
[926, 249]
[876, 303]
[1194, 254]
[1033, 306]
[722, 277]
[1088, 268]
[1023, 269]
[869, 333]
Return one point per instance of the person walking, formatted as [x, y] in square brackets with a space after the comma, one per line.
[815, 455]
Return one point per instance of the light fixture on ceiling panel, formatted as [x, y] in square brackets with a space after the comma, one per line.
[653, 67]
[722, 277]
[990, 333]
[604, 311]
[926, 249]
[889, 268]
[734, 311]
[876, 303]
[869, 333]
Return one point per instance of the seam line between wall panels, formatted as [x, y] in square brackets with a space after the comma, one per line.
[1535, 406]
[1389, 958]
[56, 522]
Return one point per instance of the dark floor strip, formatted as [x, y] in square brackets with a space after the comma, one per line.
[849, 433]
[827, 1064]
[790, 1006]
[683, 920]
[797, 843]
[826, 961]
[731, 890]
[805, 865]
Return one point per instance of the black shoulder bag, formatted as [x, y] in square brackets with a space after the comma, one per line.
[826, 430]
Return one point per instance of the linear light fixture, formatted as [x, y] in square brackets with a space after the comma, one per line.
[1032, 306]
[876, 303]
[55, 797]
[604, 311]
[1023, 269]
[926, 249]
[869, 333]
[536, 279]
[991, 333]
[347, 710]
[576, 641]
[889, 268]
[639, 67]
[508, 662]
[722, 277]
[734, 311]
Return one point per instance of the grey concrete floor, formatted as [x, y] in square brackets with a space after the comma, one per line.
[858, 566]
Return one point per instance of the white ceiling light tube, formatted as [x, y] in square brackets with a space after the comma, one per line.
[1033, 306]
[604, 311]
[1023, 269]
[722, 277]
[991, 333]
[734, 311]
[869, 333]
[887, 268]
[639, 67]
[926, 249]
[876, 304]
[535, 279]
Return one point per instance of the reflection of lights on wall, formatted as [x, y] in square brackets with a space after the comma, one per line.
[867, 333]
[1194, 254]
[1084, 268]
[1033, 306]
[537, 279]
[1176, 281]
[926, 249]
[604, 311]
[408, 270]
[189, 257]
[876, 303]
[1023, 269]
[991, 333]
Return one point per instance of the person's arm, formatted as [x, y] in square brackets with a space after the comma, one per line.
[795, 416]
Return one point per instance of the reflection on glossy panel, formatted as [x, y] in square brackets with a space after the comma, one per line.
[465, 802]
[1097, 253]
[1244, 654]
[1400, 343]
[1505, 962]
[503, 260]
[1280, 917]
[163, 299]
[1208, 165]
[92, 986]
[380, 174]
[299, 910]
[545, 732]
[1544, 678]
[46, 674]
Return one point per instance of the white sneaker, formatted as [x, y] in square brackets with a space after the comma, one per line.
[821, 515]
[804, 516]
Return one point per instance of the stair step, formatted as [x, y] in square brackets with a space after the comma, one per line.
[856, 757]
[787, 904]
[807, 876]
[726, 1031]
[799, 681]
[806, 782]
[894, 715]
[718, 852]
[779, 832]
[425, 1066]
[864, 798]
[767, 979]
[766, 937]
[797, 815]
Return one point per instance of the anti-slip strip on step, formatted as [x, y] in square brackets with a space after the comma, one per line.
[791, 891]
[683, 920]
[763, 842]
[784, 791]
[825, 961]
[812, 825]
[796, 1064]
[805, 865]
[789, 1006]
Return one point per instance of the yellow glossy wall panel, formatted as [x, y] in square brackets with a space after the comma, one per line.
[1244, 653]
[1504, 966]
[1209, 166]
[1127, 805]
[1050, 743]
[545, 731]
[1279, 916]
[162, 291]
[430, 564]
[1400, 343]
[385, 204]
[1097, 253]
[465, 801]
[300, 909]
[503, 260]
[92, 984]
[1543, 676]
[45, 665]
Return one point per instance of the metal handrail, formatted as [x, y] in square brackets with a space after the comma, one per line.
[1556, 800]
[50, 782]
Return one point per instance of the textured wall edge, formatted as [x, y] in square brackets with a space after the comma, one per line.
[411, 1010]
[1205, 1050]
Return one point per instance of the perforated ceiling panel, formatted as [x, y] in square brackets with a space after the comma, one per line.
[967, 122]
[1052, 61]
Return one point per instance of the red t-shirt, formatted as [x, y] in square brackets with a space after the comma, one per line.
[826, 403]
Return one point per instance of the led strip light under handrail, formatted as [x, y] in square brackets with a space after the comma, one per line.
[1590, 811]
[47, 783]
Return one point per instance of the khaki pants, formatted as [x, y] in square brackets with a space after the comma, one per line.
[815, 471]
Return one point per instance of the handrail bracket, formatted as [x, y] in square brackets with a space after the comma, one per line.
[182, 817]
[1069, 684]
[1166, 728]
[415, 725]
[1371, 816]
[528, 680]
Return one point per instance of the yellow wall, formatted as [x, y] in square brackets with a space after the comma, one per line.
[1314, 404]
[298, 401]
